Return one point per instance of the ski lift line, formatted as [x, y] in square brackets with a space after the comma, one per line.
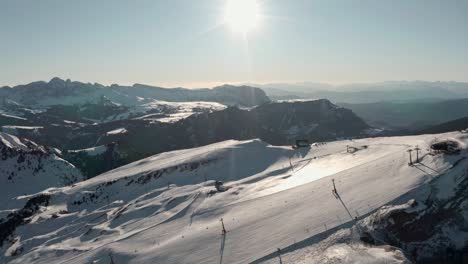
[341, 221]
[279, 256]
[337, 196]
[111, 259]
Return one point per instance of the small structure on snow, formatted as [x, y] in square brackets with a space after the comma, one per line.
[301, 143]
[410, 157]
[219, 185]
[447, 147]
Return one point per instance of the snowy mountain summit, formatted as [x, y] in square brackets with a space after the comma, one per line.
[250, 202]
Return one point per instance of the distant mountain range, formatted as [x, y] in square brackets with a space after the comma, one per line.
[403, 107]
[100, 127]
[453, 125]
[410, 115]
[368, 92]
[66, 92]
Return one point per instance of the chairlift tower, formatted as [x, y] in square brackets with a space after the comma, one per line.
[410, 157]
[417, 153]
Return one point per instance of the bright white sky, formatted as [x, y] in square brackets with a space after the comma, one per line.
[203, 42]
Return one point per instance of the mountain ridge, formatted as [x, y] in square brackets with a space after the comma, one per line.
[279, 123]
[128, 95]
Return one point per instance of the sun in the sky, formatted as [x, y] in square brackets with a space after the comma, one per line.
[242, 15]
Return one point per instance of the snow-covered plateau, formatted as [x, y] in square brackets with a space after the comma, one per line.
[276, 205]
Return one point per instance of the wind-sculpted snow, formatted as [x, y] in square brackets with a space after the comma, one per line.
[165, 208]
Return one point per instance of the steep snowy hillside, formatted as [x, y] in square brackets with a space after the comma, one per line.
[99, 159]
[27, 168]
[165, 209]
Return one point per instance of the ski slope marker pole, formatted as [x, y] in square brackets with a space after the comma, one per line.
[337, 196]
[224, 229]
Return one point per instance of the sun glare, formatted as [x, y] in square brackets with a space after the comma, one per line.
[242, 15]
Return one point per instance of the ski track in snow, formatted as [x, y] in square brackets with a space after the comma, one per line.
[269, 204]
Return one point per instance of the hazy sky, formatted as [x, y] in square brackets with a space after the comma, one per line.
[183, 42]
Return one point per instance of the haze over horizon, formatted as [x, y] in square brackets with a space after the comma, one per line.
[273, 84]
[208, 43]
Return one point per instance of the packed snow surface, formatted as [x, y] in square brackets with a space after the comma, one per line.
[165, 209]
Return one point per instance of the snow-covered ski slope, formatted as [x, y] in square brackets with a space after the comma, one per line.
[163, 209]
